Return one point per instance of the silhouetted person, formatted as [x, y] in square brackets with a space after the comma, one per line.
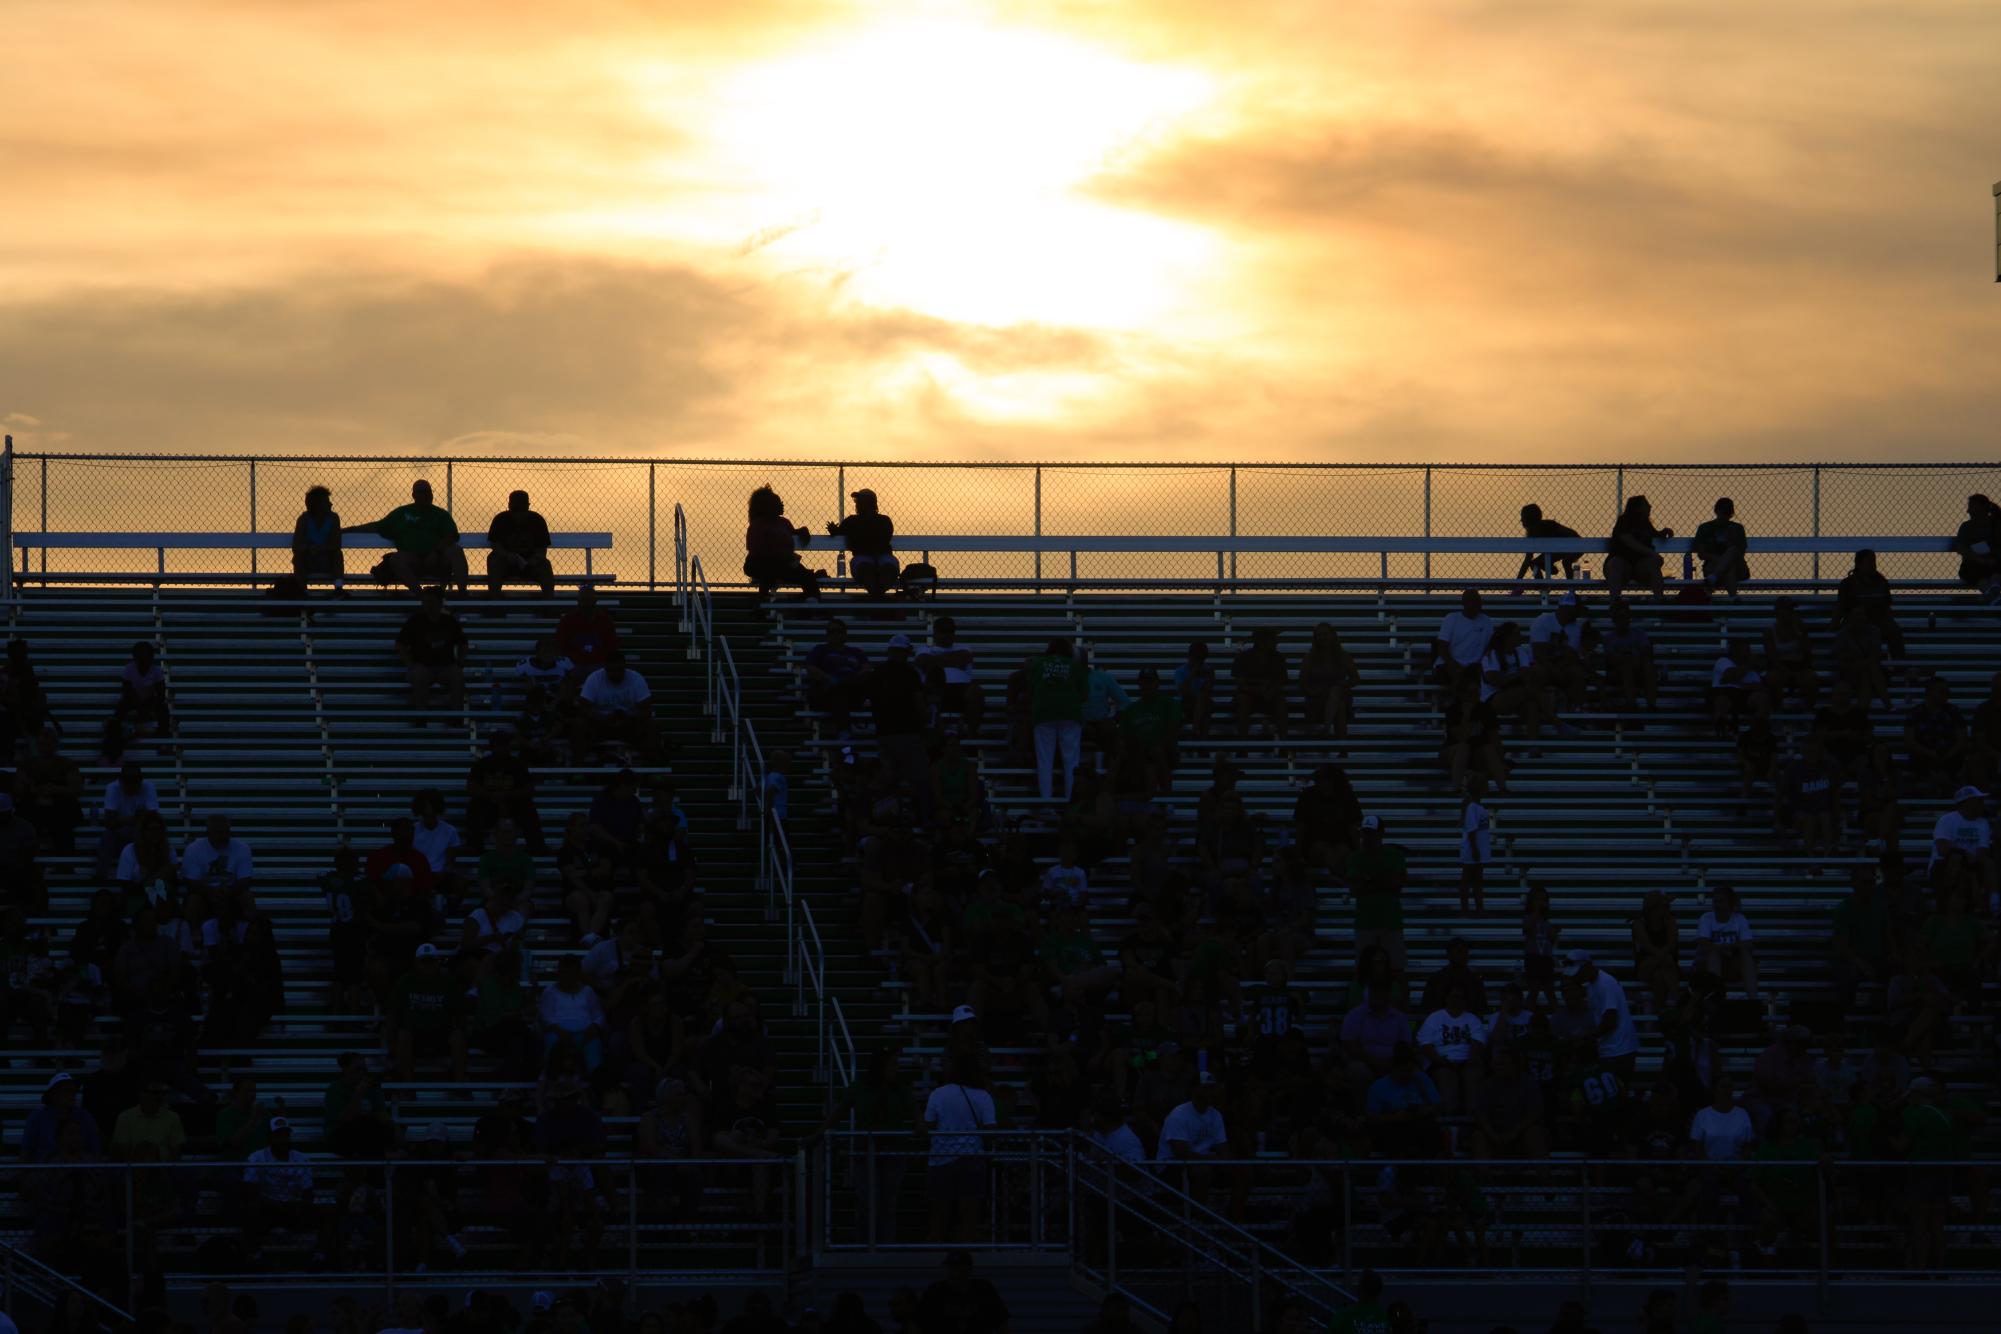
[316, 549]
[869, 535]
[518, 547]
[771, 545]
[426, 540]
[1541, 563]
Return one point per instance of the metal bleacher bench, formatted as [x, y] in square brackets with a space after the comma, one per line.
[160, 543]
[1226, 548]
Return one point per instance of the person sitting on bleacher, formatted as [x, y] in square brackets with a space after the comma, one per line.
[280, 1193]
[869, 535]
[947, 667]
[1259, 678]
[218, 864]
[1509, 680]
[1935, 739]
[42, 1134]
[835, 675]
[1195, 686]
[586, 634]
[50, 791]
[426, 540]
[1865, 595]
[1723, 942]
[1736, 689]
[517, 547]
[1720, 544]
[1963, 843]
[572, 1014]
[500, 786]
[426, 1016]
[439, 840]
[617, 709]
[142, 692]
[1328, 678]
[1978, 545]
[24, 705]
[1561, 642]
[1453, 1040]
[316, 549]
[124, 798]
[432, 647]
[1461, 642]
[1630, 557]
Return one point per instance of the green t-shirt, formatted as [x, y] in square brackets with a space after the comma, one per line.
[985, 915]
[418, 528]
[1929, 1134]
[340, 1093]
[1371, 875]
[1056, 689]
[881, 1108]
[1706, 1324]
[1361, 1318]
[1784, 1171]
[506, 868]
[494, 1002]
[1068, 951]
[1951, 943]
[1867, 928]
[1151, 721]
[232, 1119]
[426, 1004]
[1712, 538]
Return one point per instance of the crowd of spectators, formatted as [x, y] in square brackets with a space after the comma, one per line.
[1097, 971]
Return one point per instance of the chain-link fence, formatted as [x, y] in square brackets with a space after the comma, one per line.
[634, 499]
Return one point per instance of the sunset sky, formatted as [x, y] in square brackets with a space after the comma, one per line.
[1163, 229]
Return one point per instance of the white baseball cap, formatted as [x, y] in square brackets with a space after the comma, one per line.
[427, 951]
[277, 1124]
[1372, 822]
[963, 1014]
[1575, 961]
[899, 641]
[1968, 793]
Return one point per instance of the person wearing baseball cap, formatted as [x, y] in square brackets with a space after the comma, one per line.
[1963, 840]
[902, 710]
[1618, 1039]
[41, 1136]
[1560, 642]
[278, 1191]
[869, 535]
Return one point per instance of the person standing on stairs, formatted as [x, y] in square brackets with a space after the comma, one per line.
[1057, 684]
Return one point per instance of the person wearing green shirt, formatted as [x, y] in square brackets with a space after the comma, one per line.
[242, 1123]
[1376, 873]
[426, 539]
[1149, 730]
[1712, 1308]
[427, 1015]
[880, 1103]
[1720, 545]
[1926, 1135]
[1057, 685]
[1367, 1315]
[1072, 958]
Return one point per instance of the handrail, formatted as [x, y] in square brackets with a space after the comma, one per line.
[681, 563]
[48, 1285]
[1396, 546]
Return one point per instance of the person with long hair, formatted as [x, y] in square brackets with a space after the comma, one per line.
[1630, 557]
[316, 548]
[771, 546]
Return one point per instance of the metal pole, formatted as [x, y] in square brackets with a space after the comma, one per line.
[131, 1231]
[449, 509]
[1816, 519]
[1257, 1285]
[1584, 1186]
[1035, 1192]
[632, 1228]
[7, 519]
[253, 516]
[45, 510]
[1427, 524]
[652, 527]
[874, 1180]
[1112, 1223]
[1347, 1223]
[1233, 521]
[1038, 528]
[841, 512]
[1820, 1181]
[1619, 499]
[389, 1233]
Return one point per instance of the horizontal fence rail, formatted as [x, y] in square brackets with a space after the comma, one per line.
[626, 499]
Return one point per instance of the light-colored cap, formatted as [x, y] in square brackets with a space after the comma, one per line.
[1968, 793]
[427, 951]
[542, 1301]
[963, 1014]
[278, 1123]
[1575, 961]
[1372, 822]
[899, 641]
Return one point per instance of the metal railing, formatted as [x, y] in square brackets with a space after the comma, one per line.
[735, 1226]
[22, 1275]
[624, 496]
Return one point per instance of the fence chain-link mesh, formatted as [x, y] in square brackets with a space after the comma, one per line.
[633, 500]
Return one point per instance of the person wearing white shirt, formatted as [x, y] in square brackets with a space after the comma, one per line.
[1964, 835]
[1110, 1132]
[1723, 942]
[1195, 1128]
[545, 667]
[439, 840]
[1461, 640]
[571, 1012]
[1605, 998]
[1723, 1129]
[947, 668]
[957, 1183]
[124, 798]
[1509, 682]
[216, 860]
[493, 923]
[1735, 687]
[618, 704]
[280, 1189]
[1556, 638]
[1476, 846]
[1066, 880]
[1453, 1040]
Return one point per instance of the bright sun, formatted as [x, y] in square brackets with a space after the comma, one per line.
[939, 166]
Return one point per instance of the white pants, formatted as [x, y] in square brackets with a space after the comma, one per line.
[1069, 734]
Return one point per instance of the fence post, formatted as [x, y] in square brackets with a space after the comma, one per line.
[1233, 521]
[449, 507]
[7, 519]
[652, 526]
[1038, 526]
[632, 1228]
[253, 516]
[1816, 519]
[1427, 525]
[389, 1234]
[1584, 1191]
[841, 512]
[1619, 491]
[45, 512]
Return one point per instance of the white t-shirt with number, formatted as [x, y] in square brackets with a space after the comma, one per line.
[1606, 995]
[1727, 934]
[1466, 637]
[1452, 1036]
[1969, 836]
[1722, 1135]
[1202, 1132]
